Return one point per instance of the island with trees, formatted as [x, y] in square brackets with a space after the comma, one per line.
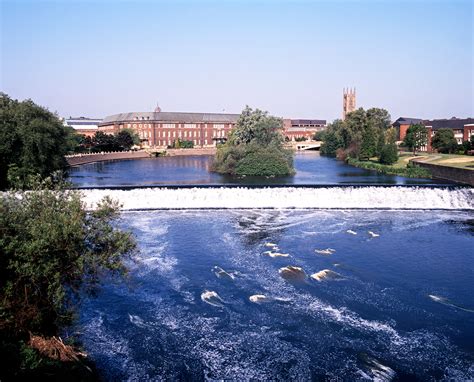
[255, 147]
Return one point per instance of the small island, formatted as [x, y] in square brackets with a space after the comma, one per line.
[255, 147]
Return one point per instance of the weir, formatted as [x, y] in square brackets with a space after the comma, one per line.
[335, 197]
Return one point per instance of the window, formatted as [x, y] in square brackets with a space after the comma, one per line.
[169, 125]
[190, 125]
[218, 125]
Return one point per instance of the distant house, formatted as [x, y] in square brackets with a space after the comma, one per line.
[83, 125]
[463, 128]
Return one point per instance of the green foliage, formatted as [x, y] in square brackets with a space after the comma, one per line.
[416, 137]
[389, 154]
[300, 139]
[368, 147]
[332, 138]
[256, 126]
[179, 144]
[50, 250]
[32, 140]
[444, 141]
[265, 162]
[254, 148]
[319, 135]
[361, 135]
[411, 171]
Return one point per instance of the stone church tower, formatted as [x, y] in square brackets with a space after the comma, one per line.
[348, 102]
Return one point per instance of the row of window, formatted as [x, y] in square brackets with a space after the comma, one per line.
[175, 125]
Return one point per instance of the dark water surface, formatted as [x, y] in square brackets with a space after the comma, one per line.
[310, 167]
[399, 307]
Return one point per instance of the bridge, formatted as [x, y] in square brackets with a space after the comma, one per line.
[306, 145]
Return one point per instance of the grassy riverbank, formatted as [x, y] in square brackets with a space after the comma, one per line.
[402, 167]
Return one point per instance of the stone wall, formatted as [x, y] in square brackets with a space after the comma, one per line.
[78, 159]
[454, 174]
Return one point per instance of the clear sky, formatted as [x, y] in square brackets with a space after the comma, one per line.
[292, 58]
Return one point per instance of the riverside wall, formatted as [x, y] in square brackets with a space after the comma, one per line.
[80, 159]
[454, 174]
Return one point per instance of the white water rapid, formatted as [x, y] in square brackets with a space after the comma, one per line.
[287, 197]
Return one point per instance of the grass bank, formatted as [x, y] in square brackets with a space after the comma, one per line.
[402, 168]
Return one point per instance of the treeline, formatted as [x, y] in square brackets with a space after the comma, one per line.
[123, 140]
[362, 135]
[33, 142]
[254, 147]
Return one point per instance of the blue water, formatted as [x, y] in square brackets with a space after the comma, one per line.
[377, 321]
[310, 167]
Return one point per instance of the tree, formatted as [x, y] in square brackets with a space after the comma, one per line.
[256, 125]
[32, 140]
[52, 251]
[368, 147]
[332, 139]
[103, 141]
[319, 135]
[416, 137]
[125, 139]
[444, 141]
[389, 154]
[255, 147]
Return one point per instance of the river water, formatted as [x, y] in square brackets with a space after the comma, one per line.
[311, 168]
[381, 289]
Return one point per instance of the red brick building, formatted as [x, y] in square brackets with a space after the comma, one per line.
[161, 129]
[463, 129]
[302, 128]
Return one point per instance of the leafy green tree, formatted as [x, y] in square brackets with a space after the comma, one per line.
[444, 141]
[389, 154]
[319, 135]
[332, 139]
[52, 252]
[32, 140]
[368, 147]
[257, 125]
[103, 141]
[416, 137]
[125, 139]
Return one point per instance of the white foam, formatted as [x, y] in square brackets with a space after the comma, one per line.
[287, 197]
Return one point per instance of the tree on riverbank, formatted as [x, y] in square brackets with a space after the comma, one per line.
[444, 141]
[255, 147]
[361, 135]
[33, 141]
[52, 252]
[416, 137]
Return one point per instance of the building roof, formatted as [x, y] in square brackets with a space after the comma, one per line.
[171, 117]
[453, 123]
[308, 121]
[407, 121]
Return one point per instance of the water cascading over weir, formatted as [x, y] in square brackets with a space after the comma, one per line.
[280, 197]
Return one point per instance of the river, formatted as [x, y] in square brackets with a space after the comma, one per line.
[381, 286]
[311, 168]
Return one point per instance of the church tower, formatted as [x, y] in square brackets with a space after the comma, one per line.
[348, 102]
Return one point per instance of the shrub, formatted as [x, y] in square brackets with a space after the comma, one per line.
[389, 154]
[265, 162]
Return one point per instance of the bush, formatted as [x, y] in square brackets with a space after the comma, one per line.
[265, 162]
[389, 154]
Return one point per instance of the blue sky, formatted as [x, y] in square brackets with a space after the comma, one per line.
[292, 58]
